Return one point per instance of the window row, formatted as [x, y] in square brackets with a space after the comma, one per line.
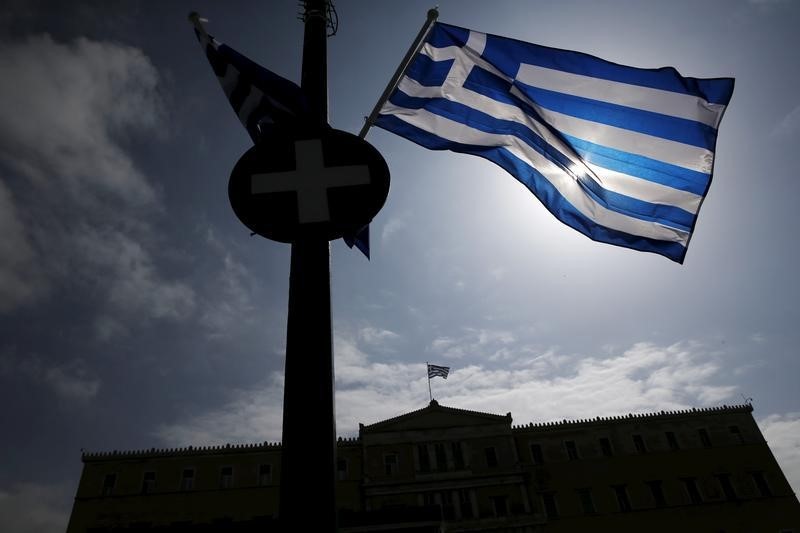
[638, 441]
[691, 489]
[186, 481]
[439, 457]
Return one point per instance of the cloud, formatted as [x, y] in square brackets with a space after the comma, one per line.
[376, 336]
[782, 432]
[484, 343]
[788, 127]
[65, 122]
[229, 305]
[392, 226]
[64, 111]
[249, 416]
[71, 381]
[21, 278]
[35, 508]
[537, 386]
[133, 283]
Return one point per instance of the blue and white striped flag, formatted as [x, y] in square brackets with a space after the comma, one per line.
[436, 370]
[259, 97]
[622, 154]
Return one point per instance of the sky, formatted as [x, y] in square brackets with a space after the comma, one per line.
[136, 311]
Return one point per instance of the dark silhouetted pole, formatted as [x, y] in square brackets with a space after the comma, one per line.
[308, 463]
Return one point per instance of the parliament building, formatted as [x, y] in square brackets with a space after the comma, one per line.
[443, 469]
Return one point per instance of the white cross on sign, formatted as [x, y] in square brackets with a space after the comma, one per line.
[311, 179]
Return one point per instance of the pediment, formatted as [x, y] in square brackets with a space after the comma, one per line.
[436, 416]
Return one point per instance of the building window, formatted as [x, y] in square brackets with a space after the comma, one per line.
[264, 475]
[638, 443]
[424, 458]
[390, 464]
[727, 487]
[737, 434]
[187, 479]
[572, 450]
[458, 455]
[431, 499]
[341, 469]
[658, 493]
[465, 503]
[605, 447]
[109, 482]
[500, 505]
[672, 441]
[705, 440]
[623, 501]
[491, 457]
[536, 454]
[691, 489]
[441, 457]
[225, 477]
[587, 503]
[148, 482]
[761, 484]
[550, 504]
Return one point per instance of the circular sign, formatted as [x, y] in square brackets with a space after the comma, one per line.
[323, 185]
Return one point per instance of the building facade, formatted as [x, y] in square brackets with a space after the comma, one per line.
[446, 469]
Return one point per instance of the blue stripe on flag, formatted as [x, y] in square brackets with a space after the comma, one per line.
[507, 54]
[640, 166]
[429, 72]
[443, 35]
[663, 214]
[542, 189]
[673, 128]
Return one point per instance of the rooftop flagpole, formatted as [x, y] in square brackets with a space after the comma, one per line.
[428, 371]
[433, 14]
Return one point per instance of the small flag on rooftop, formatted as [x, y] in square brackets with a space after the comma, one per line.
[438, 371]
[622, 154]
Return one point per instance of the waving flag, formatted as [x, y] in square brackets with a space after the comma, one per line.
[436, 370]
[261, 99]
[622, 154]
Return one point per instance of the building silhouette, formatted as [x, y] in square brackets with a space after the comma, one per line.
[446, 469]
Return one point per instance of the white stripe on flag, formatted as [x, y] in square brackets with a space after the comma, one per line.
[632, 142]
[563, 182]
[640, 189]
[668, 151]
[614, 92]
[250, 104]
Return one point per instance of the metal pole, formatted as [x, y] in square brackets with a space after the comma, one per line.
[433, 14]
[428, 371]
[308, 457]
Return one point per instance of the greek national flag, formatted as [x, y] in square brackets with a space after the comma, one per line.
[259, 97]
[624, 155]
[262, 100]
[436, 370]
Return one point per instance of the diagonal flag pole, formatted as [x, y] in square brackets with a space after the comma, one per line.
[433, 14]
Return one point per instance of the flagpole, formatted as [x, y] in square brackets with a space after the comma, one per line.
[197, 21]
[308, 453]
[433, 14]
[428, 371]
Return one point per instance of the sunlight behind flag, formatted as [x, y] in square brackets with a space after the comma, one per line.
[621, 154]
